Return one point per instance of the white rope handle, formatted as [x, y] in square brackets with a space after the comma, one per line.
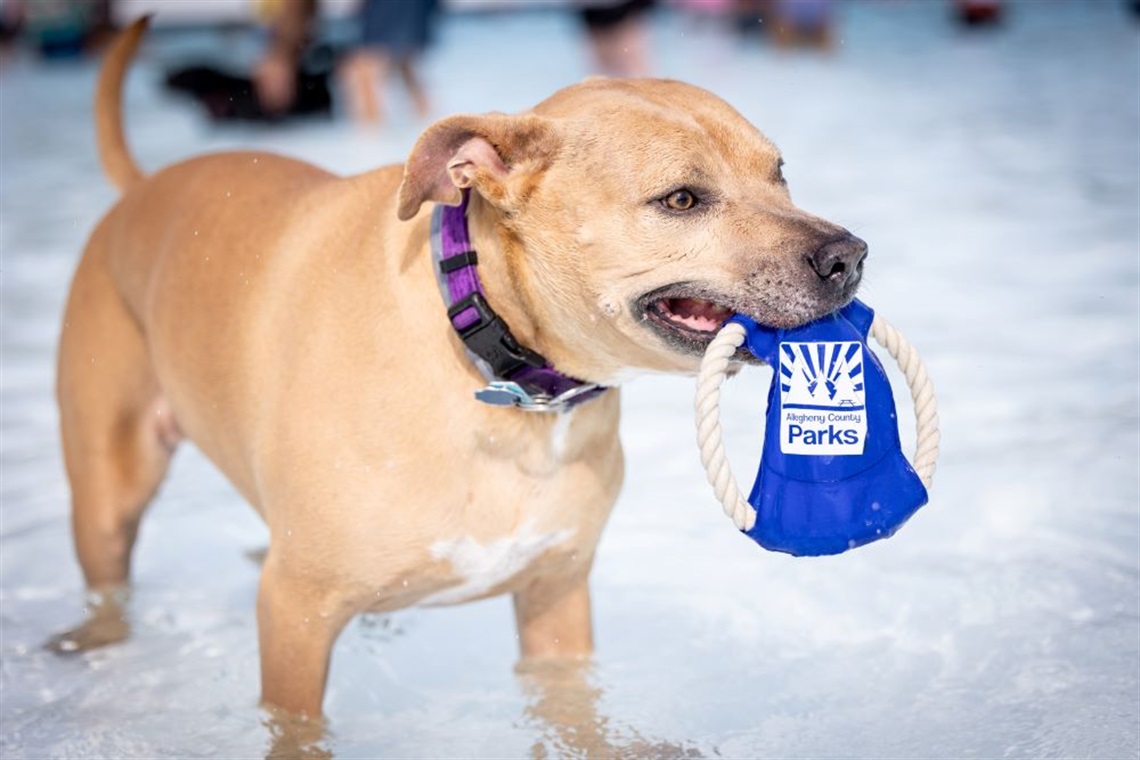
[714, 365]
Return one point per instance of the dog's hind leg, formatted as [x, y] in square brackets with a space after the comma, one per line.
[116, 442]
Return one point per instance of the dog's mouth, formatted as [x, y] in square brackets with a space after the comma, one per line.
[687, 316]
[690, 315]
[687, 319]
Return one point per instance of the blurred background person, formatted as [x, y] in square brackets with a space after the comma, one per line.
[11, 23]
[389, 35]
[393, 35]
[58, 29]
[617, 33]
[290, 24]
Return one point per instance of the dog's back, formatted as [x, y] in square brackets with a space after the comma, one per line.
[194, 261]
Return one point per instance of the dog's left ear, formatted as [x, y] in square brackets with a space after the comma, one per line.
[490, 154]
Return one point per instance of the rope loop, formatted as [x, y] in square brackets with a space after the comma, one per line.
[714, 367]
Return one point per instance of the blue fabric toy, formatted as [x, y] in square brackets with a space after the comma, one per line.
[832, 474]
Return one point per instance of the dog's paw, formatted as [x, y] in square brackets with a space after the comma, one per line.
[295, 737]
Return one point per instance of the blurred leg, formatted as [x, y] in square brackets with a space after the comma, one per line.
[617, 36]
[416, 91]
[362, 76]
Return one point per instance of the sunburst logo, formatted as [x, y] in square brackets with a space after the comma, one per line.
[821, 398]
[821, 375]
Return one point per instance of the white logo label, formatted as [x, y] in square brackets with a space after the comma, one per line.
[822, 407]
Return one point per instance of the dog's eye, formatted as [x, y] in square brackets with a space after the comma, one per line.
[779, 176]
[679, 200]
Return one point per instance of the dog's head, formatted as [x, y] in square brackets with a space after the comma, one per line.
[638, 215]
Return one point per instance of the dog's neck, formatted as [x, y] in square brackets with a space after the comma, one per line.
[517, 374]
[506, 286]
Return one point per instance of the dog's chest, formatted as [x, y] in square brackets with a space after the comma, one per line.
[533, 505]
[481, 567]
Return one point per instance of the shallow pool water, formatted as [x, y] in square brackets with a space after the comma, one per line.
[997, 180]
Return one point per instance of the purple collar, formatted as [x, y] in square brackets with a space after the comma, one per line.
[516, 376]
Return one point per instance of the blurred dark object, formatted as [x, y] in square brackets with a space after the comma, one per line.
[1134, 6]
[231, 97]
[789, 23]
[606, 15]
[751, 16]
[802, 23]
[978, 13]
[64, 29]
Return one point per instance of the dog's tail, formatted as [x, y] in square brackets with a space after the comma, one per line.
[118, 163]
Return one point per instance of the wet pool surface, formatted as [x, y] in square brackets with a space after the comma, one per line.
[997, 180]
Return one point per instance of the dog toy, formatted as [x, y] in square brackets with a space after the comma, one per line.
[832, 475]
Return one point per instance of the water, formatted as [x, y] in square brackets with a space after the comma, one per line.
[996, 179]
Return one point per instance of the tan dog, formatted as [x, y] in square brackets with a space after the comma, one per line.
[289, 323]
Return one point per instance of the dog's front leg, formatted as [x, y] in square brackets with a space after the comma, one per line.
[298, 621]
[553, 618]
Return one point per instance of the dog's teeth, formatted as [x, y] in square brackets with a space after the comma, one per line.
[696, 314]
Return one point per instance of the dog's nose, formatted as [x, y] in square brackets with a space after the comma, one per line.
[840, 261]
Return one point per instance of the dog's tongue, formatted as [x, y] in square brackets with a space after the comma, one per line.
[697, 314]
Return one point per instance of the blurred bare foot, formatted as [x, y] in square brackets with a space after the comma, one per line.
[106, 624]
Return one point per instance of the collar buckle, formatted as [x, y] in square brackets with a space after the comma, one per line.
[489, 338]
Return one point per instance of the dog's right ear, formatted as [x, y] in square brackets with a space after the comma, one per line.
[491, 154]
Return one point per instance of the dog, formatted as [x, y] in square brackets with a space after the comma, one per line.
[225, 96]
[293, 325]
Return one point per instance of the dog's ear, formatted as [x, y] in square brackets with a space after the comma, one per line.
[492, 154]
